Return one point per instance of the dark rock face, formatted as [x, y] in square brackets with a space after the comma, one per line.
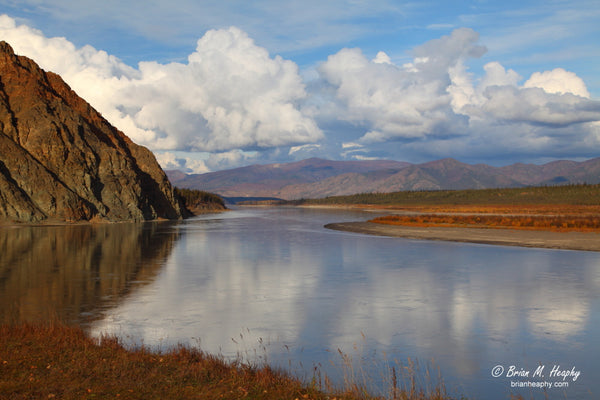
[61, 160]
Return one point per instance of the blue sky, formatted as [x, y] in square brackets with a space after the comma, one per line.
[209, 85]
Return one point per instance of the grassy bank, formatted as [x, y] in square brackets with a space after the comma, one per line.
[557, 223]
[547, 195]
[549, 208]
[57, 361]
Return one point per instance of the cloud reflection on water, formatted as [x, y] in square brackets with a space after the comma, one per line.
[279, 280]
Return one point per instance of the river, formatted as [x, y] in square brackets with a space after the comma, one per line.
[272, 285]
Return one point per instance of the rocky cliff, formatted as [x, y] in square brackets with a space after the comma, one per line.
[61, 160]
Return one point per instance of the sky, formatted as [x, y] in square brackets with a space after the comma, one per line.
[210, 85]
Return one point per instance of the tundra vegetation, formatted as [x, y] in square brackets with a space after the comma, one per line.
[53, 360]
[581, 194]
[561, 223]
[556, 208]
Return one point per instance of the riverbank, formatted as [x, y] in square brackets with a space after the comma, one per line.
[558, 217]
[584, 241]
[55, 361]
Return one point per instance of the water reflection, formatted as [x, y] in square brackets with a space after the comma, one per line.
[273, 284]
[71, 272]
[276, 277]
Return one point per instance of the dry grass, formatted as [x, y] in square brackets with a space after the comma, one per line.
[561, 218]
[546, 223]
[506, 209]
[57, 361]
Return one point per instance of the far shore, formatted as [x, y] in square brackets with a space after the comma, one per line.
[582, 241]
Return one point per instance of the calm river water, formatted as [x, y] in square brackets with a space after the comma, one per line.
[272, 285]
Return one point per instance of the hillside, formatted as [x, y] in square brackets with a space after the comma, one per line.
[317, 178]
[60, 160]
[275, 180]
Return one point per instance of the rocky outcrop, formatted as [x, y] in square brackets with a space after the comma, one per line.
[61, 160]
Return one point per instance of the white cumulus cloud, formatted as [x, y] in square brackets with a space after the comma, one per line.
[558, 81]
[382, 58]
[435, 104]
[401, 102]
[229, 95]
[231, 103]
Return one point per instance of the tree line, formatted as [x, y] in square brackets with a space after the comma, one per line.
[584, 194]
[193, 198]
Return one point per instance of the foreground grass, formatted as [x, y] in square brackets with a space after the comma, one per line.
[57, 361]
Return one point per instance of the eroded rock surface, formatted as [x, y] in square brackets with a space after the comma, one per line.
[61, 160]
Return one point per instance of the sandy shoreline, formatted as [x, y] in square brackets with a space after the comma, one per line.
[582, 241]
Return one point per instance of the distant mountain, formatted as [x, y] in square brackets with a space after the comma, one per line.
[315, 178]
[270, 180]
[61, 160]
[176, 176]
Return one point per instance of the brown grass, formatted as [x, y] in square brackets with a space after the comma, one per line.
[561, 218]
[511, 209]
[61, 362]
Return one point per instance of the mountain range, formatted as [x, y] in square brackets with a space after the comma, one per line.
[316, 178]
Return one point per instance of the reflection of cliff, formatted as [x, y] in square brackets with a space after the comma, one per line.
[66, 272]
[289, 284]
